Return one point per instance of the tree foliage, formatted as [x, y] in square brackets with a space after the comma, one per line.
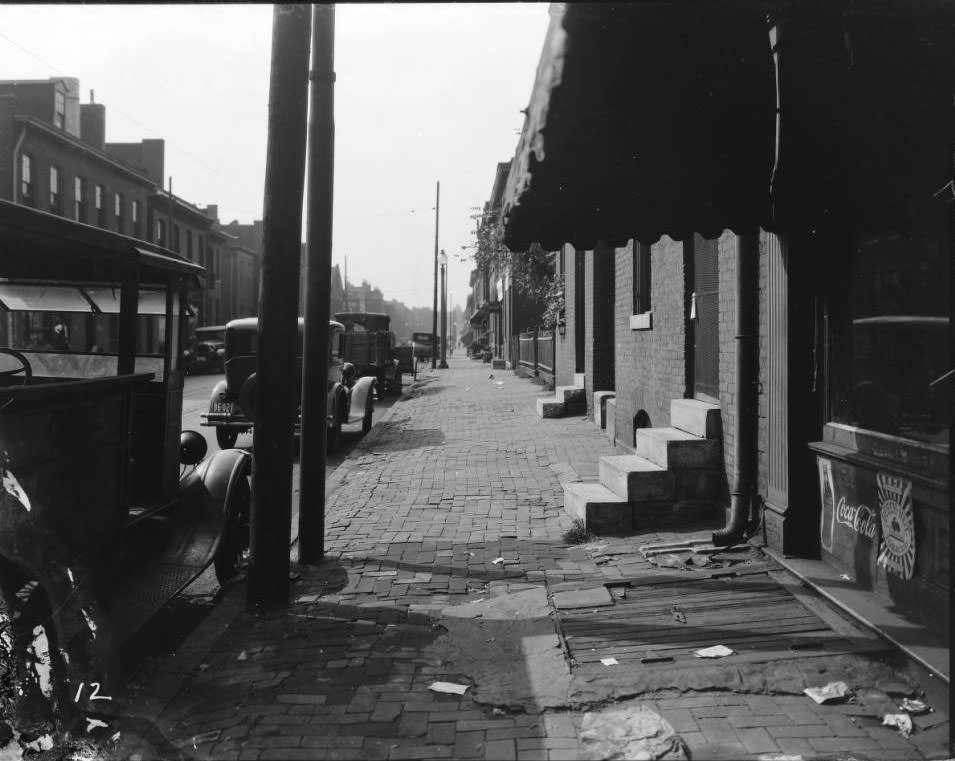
[532, 272]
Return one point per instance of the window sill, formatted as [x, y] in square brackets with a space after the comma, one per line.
[642, 321]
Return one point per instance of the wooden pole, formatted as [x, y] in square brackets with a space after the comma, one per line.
[321, 174]
[276, 391]
[444, 313]
[434, 311]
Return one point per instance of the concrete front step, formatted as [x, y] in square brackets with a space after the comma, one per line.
[549, 407]
[696, 417]
[635, 478]
[673, 449]
[602, 511]
[665, 514]
[567, 394]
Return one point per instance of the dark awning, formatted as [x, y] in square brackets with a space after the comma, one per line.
[657, 118]
[647, 118]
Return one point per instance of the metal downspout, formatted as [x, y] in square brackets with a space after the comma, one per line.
[743, 476]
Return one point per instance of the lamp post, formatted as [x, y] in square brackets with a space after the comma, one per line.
[434, 310]
[443, 261]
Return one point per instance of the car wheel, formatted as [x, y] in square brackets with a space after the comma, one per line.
[232, 554]
[396, 385]
[226, 437]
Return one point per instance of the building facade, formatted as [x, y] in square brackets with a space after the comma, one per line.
[780, 258]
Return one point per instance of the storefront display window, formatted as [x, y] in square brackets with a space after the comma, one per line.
[891, 346]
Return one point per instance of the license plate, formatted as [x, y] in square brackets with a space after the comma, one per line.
[224, 407]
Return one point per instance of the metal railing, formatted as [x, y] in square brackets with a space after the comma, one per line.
[536, 351]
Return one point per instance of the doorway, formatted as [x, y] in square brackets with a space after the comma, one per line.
[704, 314]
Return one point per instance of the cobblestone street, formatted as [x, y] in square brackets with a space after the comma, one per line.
[448, 561]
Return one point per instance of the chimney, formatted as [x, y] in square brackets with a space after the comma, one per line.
[93, 124]
[212, 211]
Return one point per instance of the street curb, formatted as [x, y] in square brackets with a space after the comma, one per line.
[171, 677]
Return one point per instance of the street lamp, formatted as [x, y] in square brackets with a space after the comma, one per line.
[443, 261]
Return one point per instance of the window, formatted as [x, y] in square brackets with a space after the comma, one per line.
[26, 180]
[59, 110]
[55, 201]
[640, 316]
[79, 199]
[118, 207]
[134, 215]
[99, 198]
[175, 238]
[189, 244]
[161, 232]
[890, 337]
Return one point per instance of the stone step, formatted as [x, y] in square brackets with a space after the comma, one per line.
[636, 478]
[602, 511]
[698, 483]
[600, 407]
[570, 394]
[668, 514]
[696, 417]
[673, 449]
[548, 407]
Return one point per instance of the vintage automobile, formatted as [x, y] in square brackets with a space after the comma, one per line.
[107, 508]
[370, 347]
[232, 403]
[205, 353]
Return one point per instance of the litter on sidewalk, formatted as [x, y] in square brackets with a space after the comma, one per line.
[449, 687]
[914, 706]
[900, 720]
[610, 661]
[832, 691]
[717, 651]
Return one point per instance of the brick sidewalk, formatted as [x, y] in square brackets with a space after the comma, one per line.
[453, 499]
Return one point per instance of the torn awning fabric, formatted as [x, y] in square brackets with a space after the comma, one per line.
[658, 118]
[645, 119]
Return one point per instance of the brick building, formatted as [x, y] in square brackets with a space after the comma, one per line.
[754, 247]
[54, 157]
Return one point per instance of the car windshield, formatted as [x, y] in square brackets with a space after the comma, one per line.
[72, 331]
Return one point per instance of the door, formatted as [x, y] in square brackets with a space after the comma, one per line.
[704, 312]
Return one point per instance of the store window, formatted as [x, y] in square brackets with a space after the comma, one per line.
[891, 348]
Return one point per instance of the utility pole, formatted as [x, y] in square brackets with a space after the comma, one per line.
[321, 175]
[434, 311]
[276, 390]
[444, 310]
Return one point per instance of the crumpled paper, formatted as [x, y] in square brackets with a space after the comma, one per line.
[914, 706]
[717, 651]
[449, 687]
[832, 691]
[901, 720]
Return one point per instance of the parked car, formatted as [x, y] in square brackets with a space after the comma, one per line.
[206, 351]
[370, 347]
[232, 403]
[108, 508]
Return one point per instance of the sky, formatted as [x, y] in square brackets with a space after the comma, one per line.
[424, 93]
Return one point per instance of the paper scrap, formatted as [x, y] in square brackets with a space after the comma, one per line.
[243, 656]
[844, 577]
[717, 651]
[206, 737]
[499, 560]
[610, 661]
[900, 720]
[914, 706]
[449, 687]
[832, 691]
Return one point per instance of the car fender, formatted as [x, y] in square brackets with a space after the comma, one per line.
[333, 410]
[207, 493]
[221, 388]
[360, 393]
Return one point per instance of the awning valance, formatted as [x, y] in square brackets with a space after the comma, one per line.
[657, 118]
[646, 119]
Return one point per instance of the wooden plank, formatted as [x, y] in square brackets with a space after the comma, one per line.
[694, 617]
[703, 601]
[744, 643]
[821, 608]
[595, 640]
